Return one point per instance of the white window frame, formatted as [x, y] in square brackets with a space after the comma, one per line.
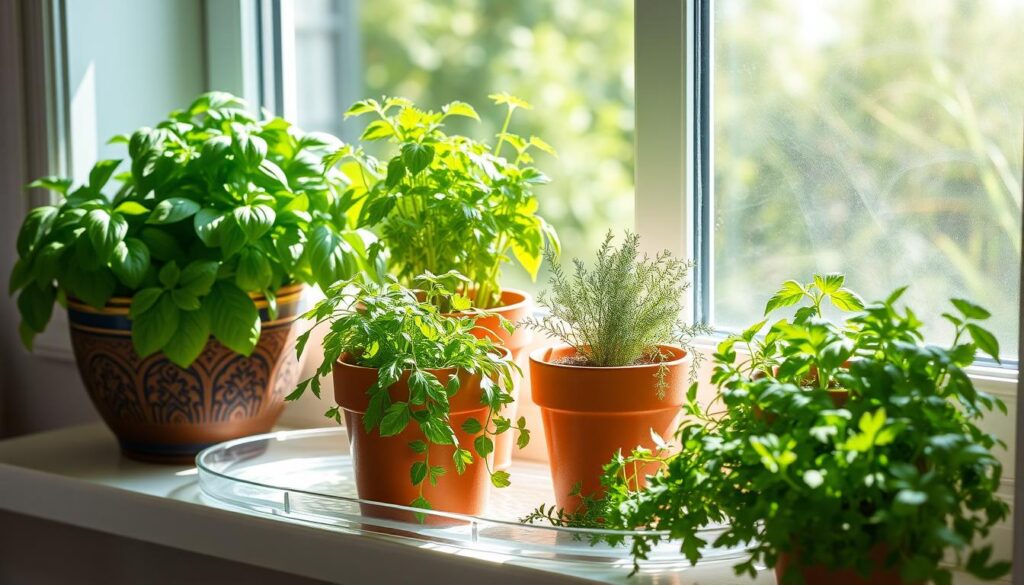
[669, 201]
[249, 47]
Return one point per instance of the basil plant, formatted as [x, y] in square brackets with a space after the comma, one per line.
[214, 203]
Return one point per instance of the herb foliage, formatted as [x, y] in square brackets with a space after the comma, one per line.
[446, 202]
[396, 330]
[618, 312]
[801, 454]
[215, 204]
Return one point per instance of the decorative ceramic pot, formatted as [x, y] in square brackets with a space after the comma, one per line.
[515, 306]
[590, 413]
[382, 464]
[163, 413]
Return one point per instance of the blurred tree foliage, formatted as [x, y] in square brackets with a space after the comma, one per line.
[879, 138]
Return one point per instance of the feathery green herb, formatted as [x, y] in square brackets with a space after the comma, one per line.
[447, 202]
[391, 328]
[619, 311]
[215, 204]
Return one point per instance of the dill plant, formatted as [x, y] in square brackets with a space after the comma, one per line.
[618, 311]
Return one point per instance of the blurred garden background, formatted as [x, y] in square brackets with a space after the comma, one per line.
[880, 138]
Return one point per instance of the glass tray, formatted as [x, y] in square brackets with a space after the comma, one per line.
[307, 476]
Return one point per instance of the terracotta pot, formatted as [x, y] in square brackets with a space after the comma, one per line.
[817, 575]
[163, 413]
[382, 464]
[515, 306]
[590, 413]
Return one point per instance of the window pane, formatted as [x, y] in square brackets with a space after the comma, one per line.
[572, 59]
[880, 139]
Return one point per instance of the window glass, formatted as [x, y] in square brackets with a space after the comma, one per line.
[880, 139]
[572, 59]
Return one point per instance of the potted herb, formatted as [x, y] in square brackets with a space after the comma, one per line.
[623, 367]
[840, 454]
[443, 202]
[421, 396]
[182, 288]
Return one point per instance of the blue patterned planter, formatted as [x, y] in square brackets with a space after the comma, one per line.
[161, 412]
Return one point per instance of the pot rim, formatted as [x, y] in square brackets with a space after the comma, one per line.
[344, 363]
[524, 303]
[537, 357]
[118, 304]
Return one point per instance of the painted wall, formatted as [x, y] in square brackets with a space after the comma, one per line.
[129, 62]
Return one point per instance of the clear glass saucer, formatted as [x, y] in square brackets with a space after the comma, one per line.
[307, 476]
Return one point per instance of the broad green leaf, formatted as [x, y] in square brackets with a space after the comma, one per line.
[95, 286]
[131, 208]
[845, 299]
[483, 445]
[143, 300]
[36, 306]
[172, 210]
[253, 272]
[234, 319]
[512, 101]
[273, 172]
[461, 458]
[153, 328]
[198, 277]
[254, 220]
[970, 310]
[36, 225]
[829, 283]
[190, 338]
[53, 183]
[417, 156]
[458, 108]
[790, 294]
[130, 262]
[396, 418]
[418, 446]
[100, 173]
[501, 479]
[170, 274]
[472, 426]
[185, 300]
[377, 130]
[529, 259]
[985, 341]
[162, 245]
[418, 472]
[542, 146]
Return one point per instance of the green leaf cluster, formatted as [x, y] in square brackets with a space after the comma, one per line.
[214, 203]
[618, 312]
[401, 332]
[832, 440]
[446, 202]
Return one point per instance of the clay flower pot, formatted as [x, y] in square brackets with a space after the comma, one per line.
[382, 463]
[515, 306]
[817, 575]
[163, 413]
[590, 413]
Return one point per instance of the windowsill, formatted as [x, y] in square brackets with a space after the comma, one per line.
[76, 476]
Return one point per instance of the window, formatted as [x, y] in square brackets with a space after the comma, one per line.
[572, 59]
[880, 139]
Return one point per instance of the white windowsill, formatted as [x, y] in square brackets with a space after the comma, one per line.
[76, 476]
